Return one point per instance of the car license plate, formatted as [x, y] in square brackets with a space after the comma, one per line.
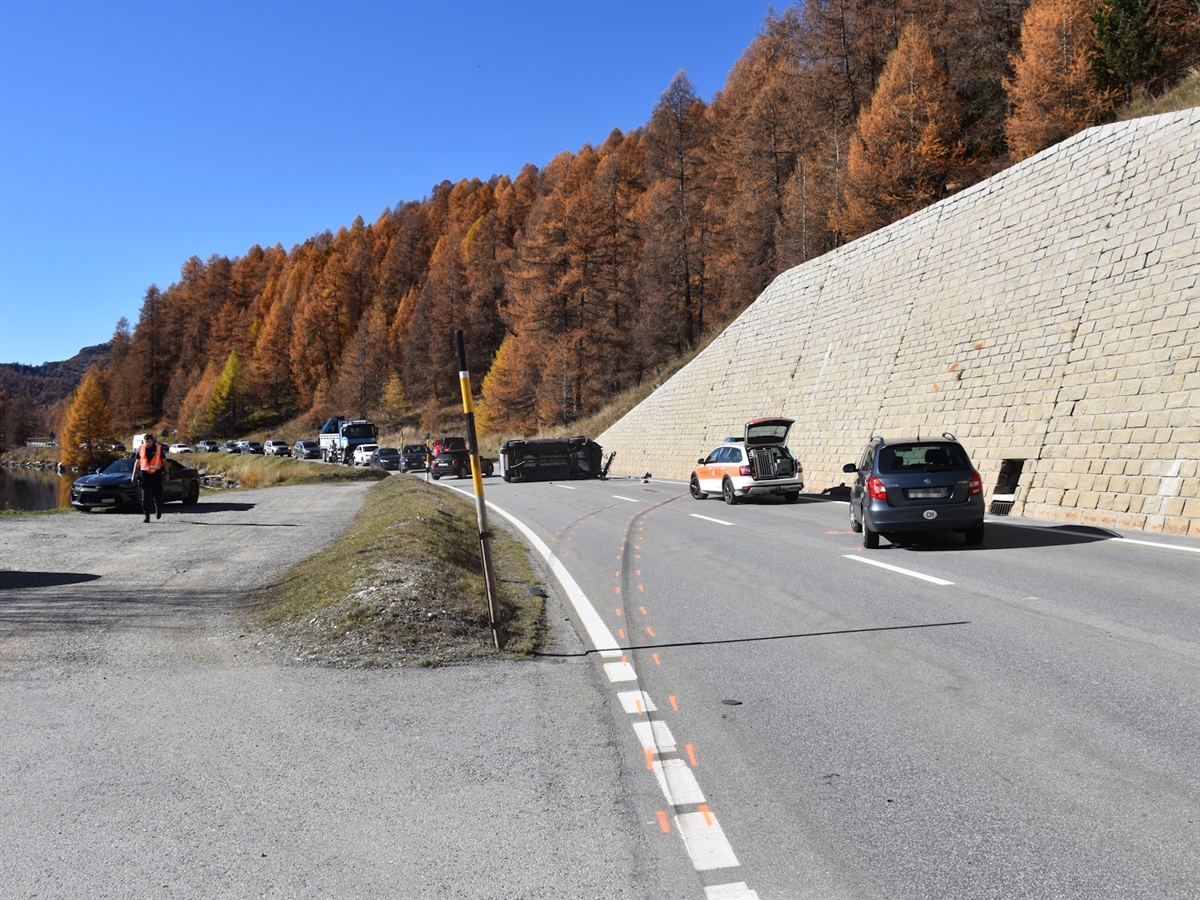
[108, 500]
[929, 493]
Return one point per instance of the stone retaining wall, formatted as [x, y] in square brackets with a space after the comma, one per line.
[1049, 315]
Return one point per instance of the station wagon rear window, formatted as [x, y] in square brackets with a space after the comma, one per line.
[898, 459]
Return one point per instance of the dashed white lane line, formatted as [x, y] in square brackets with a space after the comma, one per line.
[678, 783]
[565, 487]
[620, 671]
[709, 519]
[655, 736]
[636, 702]
[734, 891]
[705, 841]
[630, 499]
[890, 568]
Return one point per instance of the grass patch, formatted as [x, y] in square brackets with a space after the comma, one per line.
[254, 471]
[402, 586]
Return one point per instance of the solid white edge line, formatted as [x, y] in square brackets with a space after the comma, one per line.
[1100, 539]
[710, 519]
[602, 638]
[890, 568]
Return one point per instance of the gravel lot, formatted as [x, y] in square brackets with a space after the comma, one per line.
[151, 748]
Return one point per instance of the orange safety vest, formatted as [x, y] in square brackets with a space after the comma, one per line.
[150, 464]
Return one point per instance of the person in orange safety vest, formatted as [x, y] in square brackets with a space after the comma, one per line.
[149, 471]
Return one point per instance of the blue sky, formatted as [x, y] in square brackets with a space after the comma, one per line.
[136, 135]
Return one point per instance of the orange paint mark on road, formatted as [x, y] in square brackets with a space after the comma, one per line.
[663, 822]
[650, 631]
[618, 589]
[654, 656]
[642, 589]
[708, 819]
[691, 752]
[649, 758]
[621, 632]
[638, 706]
[619, 613]
[639, 571]
[674, 703]
[643, 609]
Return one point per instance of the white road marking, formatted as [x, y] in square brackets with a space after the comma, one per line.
[636, 702]
[655, 736]
[734, 891]
[1155, 544]
[620, 671]
[630, 499]
[709, 519]
[678, 783]
[909, 572]
[602, 638]
[705, 841]
[565, 487]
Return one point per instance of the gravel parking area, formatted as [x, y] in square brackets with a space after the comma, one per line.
[150, 748]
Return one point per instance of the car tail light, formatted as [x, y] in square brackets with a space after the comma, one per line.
[976, 485]
[876, 489]
[744, 471]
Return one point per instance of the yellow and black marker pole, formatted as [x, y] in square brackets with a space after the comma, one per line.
[485, 536]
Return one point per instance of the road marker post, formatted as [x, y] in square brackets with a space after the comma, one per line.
[485, 536]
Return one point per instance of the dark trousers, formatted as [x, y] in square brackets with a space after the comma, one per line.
[151, 487]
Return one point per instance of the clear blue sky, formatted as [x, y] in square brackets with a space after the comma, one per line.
[136, 135]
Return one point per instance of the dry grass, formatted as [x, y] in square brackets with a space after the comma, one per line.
[253, 471]
[402, 586]
[1184, 95]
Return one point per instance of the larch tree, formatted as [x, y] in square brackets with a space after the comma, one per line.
[1052, 93]
[905, 141]
[225, 407]
[87, 427]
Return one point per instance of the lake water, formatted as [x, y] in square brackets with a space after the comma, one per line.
[34, 489]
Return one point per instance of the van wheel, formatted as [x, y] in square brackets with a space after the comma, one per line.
[870, 538]
[975, 535]
[727, 492]
[694, 487]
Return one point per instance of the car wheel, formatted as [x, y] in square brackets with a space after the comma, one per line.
[727, 492]
[193, 494]
[792, 497]
[694, 487]
[975, 535]
[436, 477]
[870, 538]
[488, 469]
[855, 525]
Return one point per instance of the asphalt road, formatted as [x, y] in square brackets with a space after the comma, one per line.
[1018, 720]
[147, 749]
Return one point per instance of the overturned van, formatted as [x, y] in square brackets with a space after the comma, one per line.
[550, 459]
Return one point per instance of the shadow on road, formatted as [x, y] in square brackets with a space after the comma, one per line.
[10, 581]
[1001, 536]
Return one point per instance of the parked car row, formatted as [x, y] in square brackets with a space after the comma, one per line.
[901, 485]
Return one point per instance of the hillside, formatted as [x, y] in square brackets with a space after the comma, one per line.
[589, 277]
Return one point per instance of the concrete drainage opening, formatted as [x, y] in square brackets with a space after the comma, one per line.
[1005, 493]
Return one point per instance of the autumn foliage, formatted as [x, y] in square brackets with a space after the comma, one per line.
[576, 281]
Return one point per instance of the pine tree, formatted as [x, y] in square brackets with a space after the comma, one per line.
[1052, 93]
[88, 426]
[1127, 45]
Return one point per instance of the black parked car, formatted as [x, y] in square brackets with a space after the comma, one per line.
[412, 458]
[114, 488]
[251, 447]
[386, 458]
[915, 484]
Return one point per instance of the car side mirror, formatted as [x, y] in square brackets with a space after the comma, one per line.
[849, 467]
[700, 461]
